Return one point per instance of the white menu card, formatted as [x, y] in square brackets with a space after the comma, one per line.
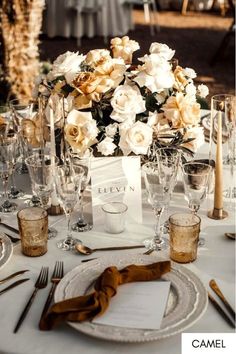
[137, 305]
[116, 179]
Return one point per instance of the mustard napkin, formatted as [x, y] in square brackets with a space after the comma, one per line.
[87, 307]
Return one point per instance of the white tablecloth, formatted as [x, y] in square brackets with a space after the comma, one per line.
[62, 19]
[215, 260]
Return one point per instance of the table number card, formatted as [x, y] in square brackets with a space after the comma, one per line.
[116, 179]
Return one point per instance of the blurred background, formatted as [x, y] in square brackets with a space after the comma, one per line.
[200, 31]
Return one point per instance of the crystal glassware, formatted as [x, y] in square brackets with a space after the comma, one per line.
[77, 161]
[41, 170]
[68, 186]
[21, 110]
[7, 156]
[159, 197]
[196, 177]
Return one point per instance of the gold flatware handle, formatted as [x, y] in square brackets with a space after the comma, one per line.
[13, 275]
[221, 311]
[218, 292]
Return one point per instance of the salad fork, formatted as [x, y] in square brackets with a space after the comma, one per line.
[56, 277]
[40, 283]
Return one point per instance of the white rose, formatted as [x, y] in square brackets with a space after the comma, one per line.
[189, 73]
[162, 49]
[198, 135]
[191, 90]
[80, 130]
[111, 129]
[68, 65]
[126, 102]
[155, 73]
[106, 146]
[136, 139]
[203, 90]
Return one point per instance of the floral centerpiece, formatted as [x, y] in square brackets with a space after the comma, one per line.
[117, 107]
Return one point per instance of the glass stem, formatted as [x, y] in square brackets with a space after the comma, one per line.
[81, 209]
[158, 230]
[69, 232]
[5, 186]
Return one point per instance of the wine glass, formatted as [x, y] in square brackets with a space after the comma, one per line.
[20, 111]
[41, 170]
[196, 181]
[68, 189]
[7, 156]
[158, 188]
[168, 159]
[77, 161]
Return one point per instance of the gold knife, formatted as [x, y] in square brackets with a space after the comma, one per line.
[13, 275]
[13, 285]
[219, 293]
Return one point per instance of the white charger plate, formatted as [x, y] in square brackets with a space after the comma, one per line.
[6, 249]
[186, 303]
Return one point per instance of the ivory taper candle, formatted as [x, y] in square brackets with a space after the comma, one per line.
[54, 199]
[218, 196]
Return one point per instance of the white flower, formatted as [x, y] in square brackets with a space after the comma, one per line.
[203, 90]
[136, 139]
[80, 130]
[162, 49]
[197, 134]
[68, 65]
[191, 90]
[111, 129]
[124, 48]
[126, 102]
[189, 73]
[106, 146]
[155, 73]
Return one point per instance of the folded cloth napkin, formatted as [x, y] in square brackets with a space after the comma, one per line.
[87, 307]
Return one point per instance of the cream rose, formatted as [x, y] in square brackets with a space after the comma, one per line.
[126, 102]
[124, 48]
[92, 86]
[106, 146]
[68, 65]
[97, 57]
[162, 49]
[182, 111]
[155, 73]
[113, 69]
[203, 90]
[198, 135]
[136, 139]
[80, 130]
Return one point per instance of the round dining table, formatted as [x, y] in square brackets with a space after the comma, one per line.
[216, 259]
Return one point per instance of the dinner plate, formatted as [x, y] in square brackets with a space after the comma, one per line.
[186, 303]
[6, 249]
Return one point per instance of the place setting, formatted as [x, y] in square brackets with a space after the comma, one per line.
[117, 199]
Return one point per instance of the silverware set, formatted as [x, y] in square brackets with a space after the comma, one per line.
[229, 315]
[40, 283]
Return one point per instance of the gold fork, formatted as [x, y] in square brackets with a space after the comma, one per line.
[56, 277]
[41, 283]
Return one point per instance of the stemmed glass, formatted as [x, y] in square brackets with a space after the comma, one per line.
[68, 189]
[159, 192]
[196, 181]
[41, 170]
[8, 145]
[20, 111]
[77, 161]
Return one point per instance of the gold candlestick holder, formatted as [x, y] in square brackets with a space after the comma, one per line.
[217, 214]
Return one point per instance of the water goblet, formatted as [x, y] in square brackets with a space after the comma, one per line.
[159, 198]
[68, 189]
[7, 154]
[41, 170]
[20, 111]
[196, 182]
[77, 161]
